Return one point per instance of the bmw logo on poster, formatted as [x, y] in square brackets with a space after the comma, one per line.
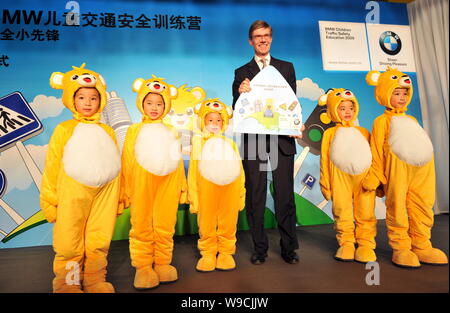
[390, 45]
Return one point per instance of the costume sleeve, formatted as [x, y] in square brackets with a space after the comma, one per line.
[376, 174]
[49, 189]
[413, 118]
[126, 173]
[243, 191]
[325, 185]
[192, 174]
[364, 132]
[180, 169]
[241, 177]
[111, 133]
[121, 205]
[184, 188]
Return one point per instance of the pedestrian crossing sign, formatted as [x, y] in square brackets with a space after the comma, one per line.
[2, 183]
[17, 120]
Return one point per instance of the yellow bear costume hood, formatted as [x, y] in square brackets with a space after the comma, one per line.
[333, 99]
[213, 105]
[385, 83]
[154, 85]
[75, 79]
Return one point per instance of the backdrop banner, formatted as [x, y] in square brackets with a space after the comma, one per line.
[195, 46]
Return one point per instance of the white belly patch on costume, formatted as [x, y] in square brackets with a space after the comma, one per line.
[409, 142]
[219, 163]
[350, 151]
[157, 149]
[90, 156]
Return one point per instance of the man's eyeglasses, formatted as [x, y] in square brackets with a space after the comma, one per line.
[260, 37]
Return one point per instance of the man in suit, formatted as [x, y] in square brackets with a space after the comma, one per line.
[256, 150]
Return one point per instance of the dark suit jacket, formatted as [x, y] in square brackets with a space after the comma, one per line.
[249, 70]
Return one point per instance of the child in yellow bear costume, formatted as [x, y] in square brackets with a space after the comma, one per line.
[344, 161]
[216, 183]
[154, 184]
[80, 184]
[403, 162]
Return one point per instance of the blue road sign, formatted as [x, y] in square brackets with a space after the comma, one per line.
[2, 183]
[17, 120]
[309, 181]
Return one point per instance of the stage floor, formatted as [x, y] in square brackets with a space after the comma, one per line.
[29, 270]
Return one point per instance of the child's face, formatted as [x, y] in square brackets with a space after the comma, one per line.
[153, 106]
[399, 97]
[213, 122]
[346, 110]
[87, 101]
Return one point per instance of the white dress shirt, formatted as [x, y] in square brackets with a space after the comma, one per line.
[260, 63]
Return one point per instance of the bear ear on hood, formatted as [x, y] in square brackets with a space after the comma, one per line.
[173, 92]
[56, 80]
[372, 78]
[323, 98]
[198, 93]
[197, 108]
[102, 80]
[137, 84]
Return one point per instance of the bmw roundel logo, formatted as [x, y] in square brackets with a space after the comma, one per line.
[390, 43]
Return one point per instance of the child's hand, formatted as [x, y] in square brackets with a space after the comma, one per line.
[120, 208]
[50, 214]
[193, 209]
[184, 197]
[299, 136]
[242, 201]
[370, 183]
[326, 193]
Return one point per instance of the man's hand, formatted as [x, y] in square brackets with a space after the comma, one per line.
[300, 135]
[244, 86]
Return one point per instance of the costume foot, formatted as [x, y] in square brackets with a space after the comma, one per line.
[431, 256]
[145, 278]
[68, 289]
[166, 273]
[405, 258]
[225, 262]
[365, 255]
[101, 287]
[206, 264]
[345, 253]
